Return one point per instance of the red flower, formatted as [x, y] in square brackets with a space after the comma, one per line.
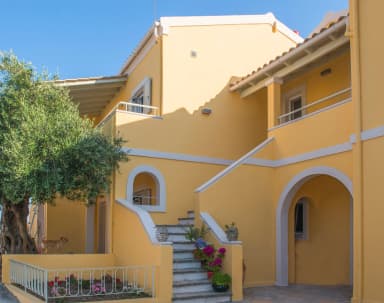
[51, 283]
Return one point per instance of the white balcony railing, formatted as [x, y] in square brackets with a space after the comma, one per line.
[87, 283]
[132, 108]
[288, 117]
[144, 200]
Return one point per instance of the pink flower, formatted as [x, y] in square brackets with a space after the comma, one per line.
[218, 262]
[222, 251]
[208, 250]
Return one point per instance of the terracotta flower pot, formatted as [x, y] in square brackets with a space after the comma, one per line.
[209, 274]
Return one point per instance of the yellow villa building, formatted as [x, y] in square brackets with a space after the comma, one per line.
[230, 119]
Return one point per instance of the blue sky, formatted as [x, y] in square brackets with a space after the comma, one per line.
[82, 38]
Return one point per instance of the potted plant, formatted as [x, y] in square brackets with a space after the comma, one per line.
[221, 281]
[161, 233]
[232, 232]
[195, 233]
[212, 259]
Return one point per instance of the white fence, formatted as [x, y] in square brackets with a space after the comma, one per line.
[108, 282]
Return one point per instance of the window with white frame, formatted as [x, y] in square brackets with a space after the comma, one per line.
[301, 219]
[294, 101]
[146, 188]
[141, 96]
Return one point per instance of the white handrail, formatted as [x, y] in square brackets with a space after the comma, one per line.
[145, 219]
[316, 102]
[232, 166]
[340, 92]
[155, 109]
[138, 105]
[216, 229]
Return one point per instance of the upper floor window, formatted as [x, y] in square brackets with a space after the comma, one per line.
[295, 104]
[294, 100]
[141, 96]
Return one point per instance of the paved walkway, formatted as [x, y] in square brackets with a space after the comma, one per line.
[298, 294]
[6, 296]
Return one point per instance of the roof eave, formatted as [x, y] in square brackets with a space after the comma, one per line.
[280, 63]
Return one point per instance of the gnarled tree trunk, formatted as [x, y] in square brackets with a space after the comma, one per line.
[15, 238]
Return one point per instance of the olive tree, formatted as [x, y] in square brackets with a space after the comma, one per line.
[46, 150]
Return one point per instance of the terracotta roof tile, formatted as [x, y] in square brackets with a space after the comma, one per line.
[290, 50]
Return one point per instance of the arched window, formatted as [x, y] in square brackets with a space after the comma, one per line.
[146, 188]
[301, 219]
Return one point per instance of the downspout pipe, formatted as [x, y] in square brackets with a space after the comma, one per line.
[358, 207]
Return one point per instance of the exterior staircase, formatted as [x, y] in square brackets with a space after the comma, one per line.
[190, 282]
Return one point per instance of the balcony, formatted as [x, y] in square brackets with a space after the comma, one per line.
[132, 109]
[313, 108]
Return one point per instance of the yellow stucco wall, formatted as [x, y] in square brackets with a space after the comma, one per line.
[132, 246]
[316, 86]
[324, 256]
[149, 67]
[181, 179]
[367, 66]
[235, 198]
[314, 133]
[58, 217]
[234, 127]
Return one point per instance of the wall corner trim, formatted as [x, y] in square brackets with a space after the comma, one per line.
[216, 229]
[145, 219]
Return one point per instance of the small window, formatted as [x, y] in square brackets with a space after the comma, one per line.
[295, 103]
[292, 104]
[301, 219]
[141, 96]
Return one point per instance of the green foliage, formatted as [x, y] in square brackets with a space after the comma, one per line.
[194, 233]
[46, 148]
[220, 278]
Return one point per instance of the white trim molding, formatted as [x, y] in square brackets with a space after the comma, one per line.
[321, 152]
[145, 219]
[216, 229]
[282, 212]
[175, 156]
[372, 133]
[160, 187]
[235, 164]
[268, 18]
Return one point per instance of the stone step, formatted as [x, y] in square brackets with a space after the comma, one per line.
[177, 228]
[202, 297]
[183, 245]
[191, 274]
[192, 286]
[186, 263]
[182, 254]
[172, 237]
[186, 221]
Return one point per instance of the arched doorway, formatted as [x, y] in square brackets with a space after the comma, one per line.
[146, 188]
[294, 191]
